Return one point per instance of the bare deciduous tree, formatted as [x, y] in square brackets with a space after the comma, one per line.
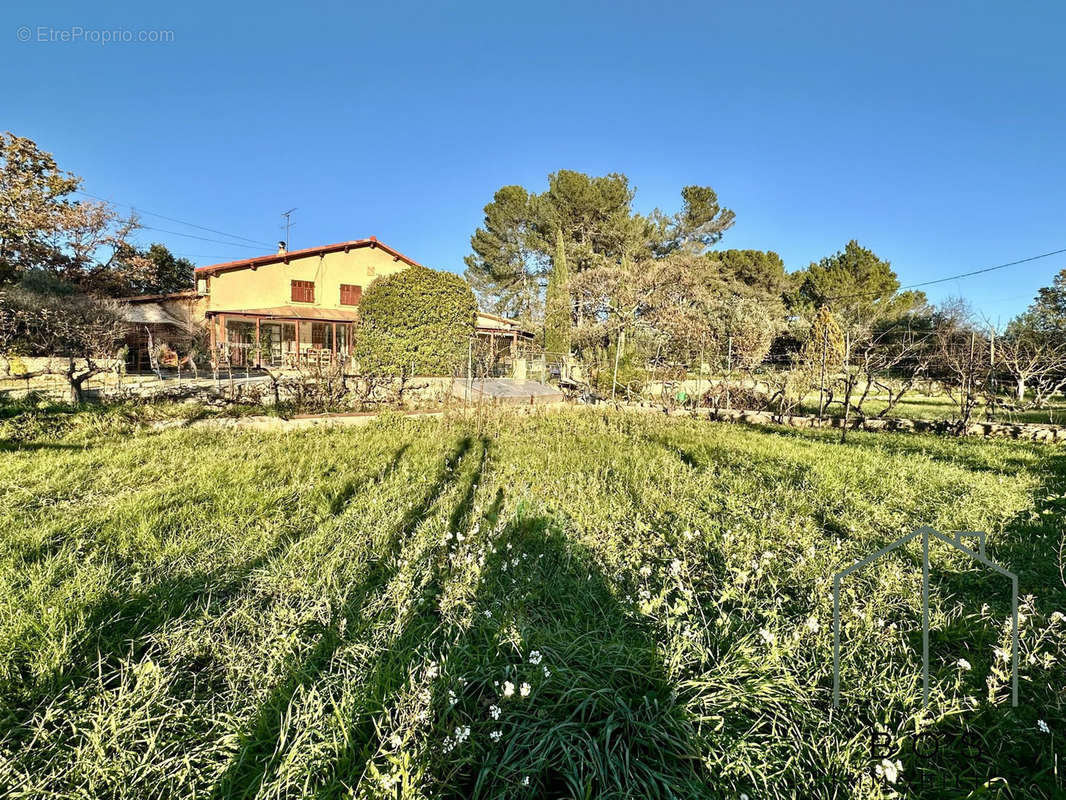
[1036, 362]
[77, 334]
[962, 358]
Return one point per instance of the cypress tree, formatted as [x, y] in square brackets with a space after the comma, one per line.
[557, 321]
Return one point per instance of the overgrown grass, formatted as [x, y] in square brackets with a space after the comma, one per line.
[578, 604]
[30, 419]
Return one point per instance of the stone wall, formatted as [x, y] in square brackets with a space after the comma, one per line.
[1001, 430]
[257, 387]
[14, 385]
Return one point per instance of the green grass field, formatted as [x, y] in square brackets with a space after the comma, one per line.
[578, 604]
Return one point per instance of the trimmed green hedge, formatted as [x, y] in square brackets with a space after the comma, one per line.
[415, 322]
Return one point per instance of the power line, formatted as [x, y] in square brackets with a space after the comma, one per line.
[953, 277]
[173, 219]
[201, 238]
[204, 255]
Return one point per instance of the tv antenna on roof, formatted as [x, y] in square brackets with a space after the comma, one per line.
[288, 224]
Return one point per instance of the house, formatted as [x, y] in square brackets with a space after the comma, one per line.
[287, 309]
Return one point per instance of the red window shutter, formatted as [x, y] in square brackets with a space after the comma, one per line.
[351, 294]
[303, 291]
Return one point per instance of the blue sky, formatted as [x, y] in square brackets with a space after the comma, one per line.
[931, 132]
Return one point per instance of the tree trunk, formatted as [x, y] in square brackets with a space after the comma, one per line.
[1021, 389]
[77, 389]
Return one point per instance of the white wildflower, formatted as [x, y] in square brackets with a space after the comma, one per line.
[889, 769]
[547, 672]
[494, 711]
[766, 635]
[462, 733]
[525, 781]
[1057, 616]
[675, 566]
[963, 664]
[812, 624]
[525, 689]
[496, 736]
[452, 699]
[535, 657]
[1042, 726]
[508, 689]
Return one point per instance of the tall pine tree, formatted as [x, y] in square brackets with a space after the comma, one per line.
[557, 320]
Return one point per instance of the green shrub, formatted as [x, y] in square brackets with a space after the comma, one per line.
[415, 322]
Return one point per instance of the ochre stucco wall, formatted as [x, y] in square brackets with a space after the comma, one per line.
[269, 285]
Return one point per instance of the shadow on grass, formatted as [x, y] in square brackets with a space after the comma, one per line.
[118, 625]
[19, 446]
[420, 635]
[606, 723]
[602, 721]
[260, 750]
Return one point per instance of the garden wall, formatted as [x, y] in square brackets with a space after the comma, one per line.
[1003, 430]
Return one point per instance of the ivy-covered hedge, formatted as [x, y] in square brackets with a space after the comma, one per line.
[415, 322]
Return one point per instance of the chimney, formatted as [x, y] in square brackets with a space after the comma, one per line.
[281, 248]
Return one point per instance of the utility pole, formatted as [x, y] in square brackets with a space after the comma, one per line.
[822, 375]
[992, 358]
[699, 374]
[848, 377]
[728, 369]
[288, 224]
[614, 375]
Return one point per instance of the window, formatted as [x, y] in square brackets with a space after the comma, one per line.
[303, 291]
[322, 335]
[351, 294]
